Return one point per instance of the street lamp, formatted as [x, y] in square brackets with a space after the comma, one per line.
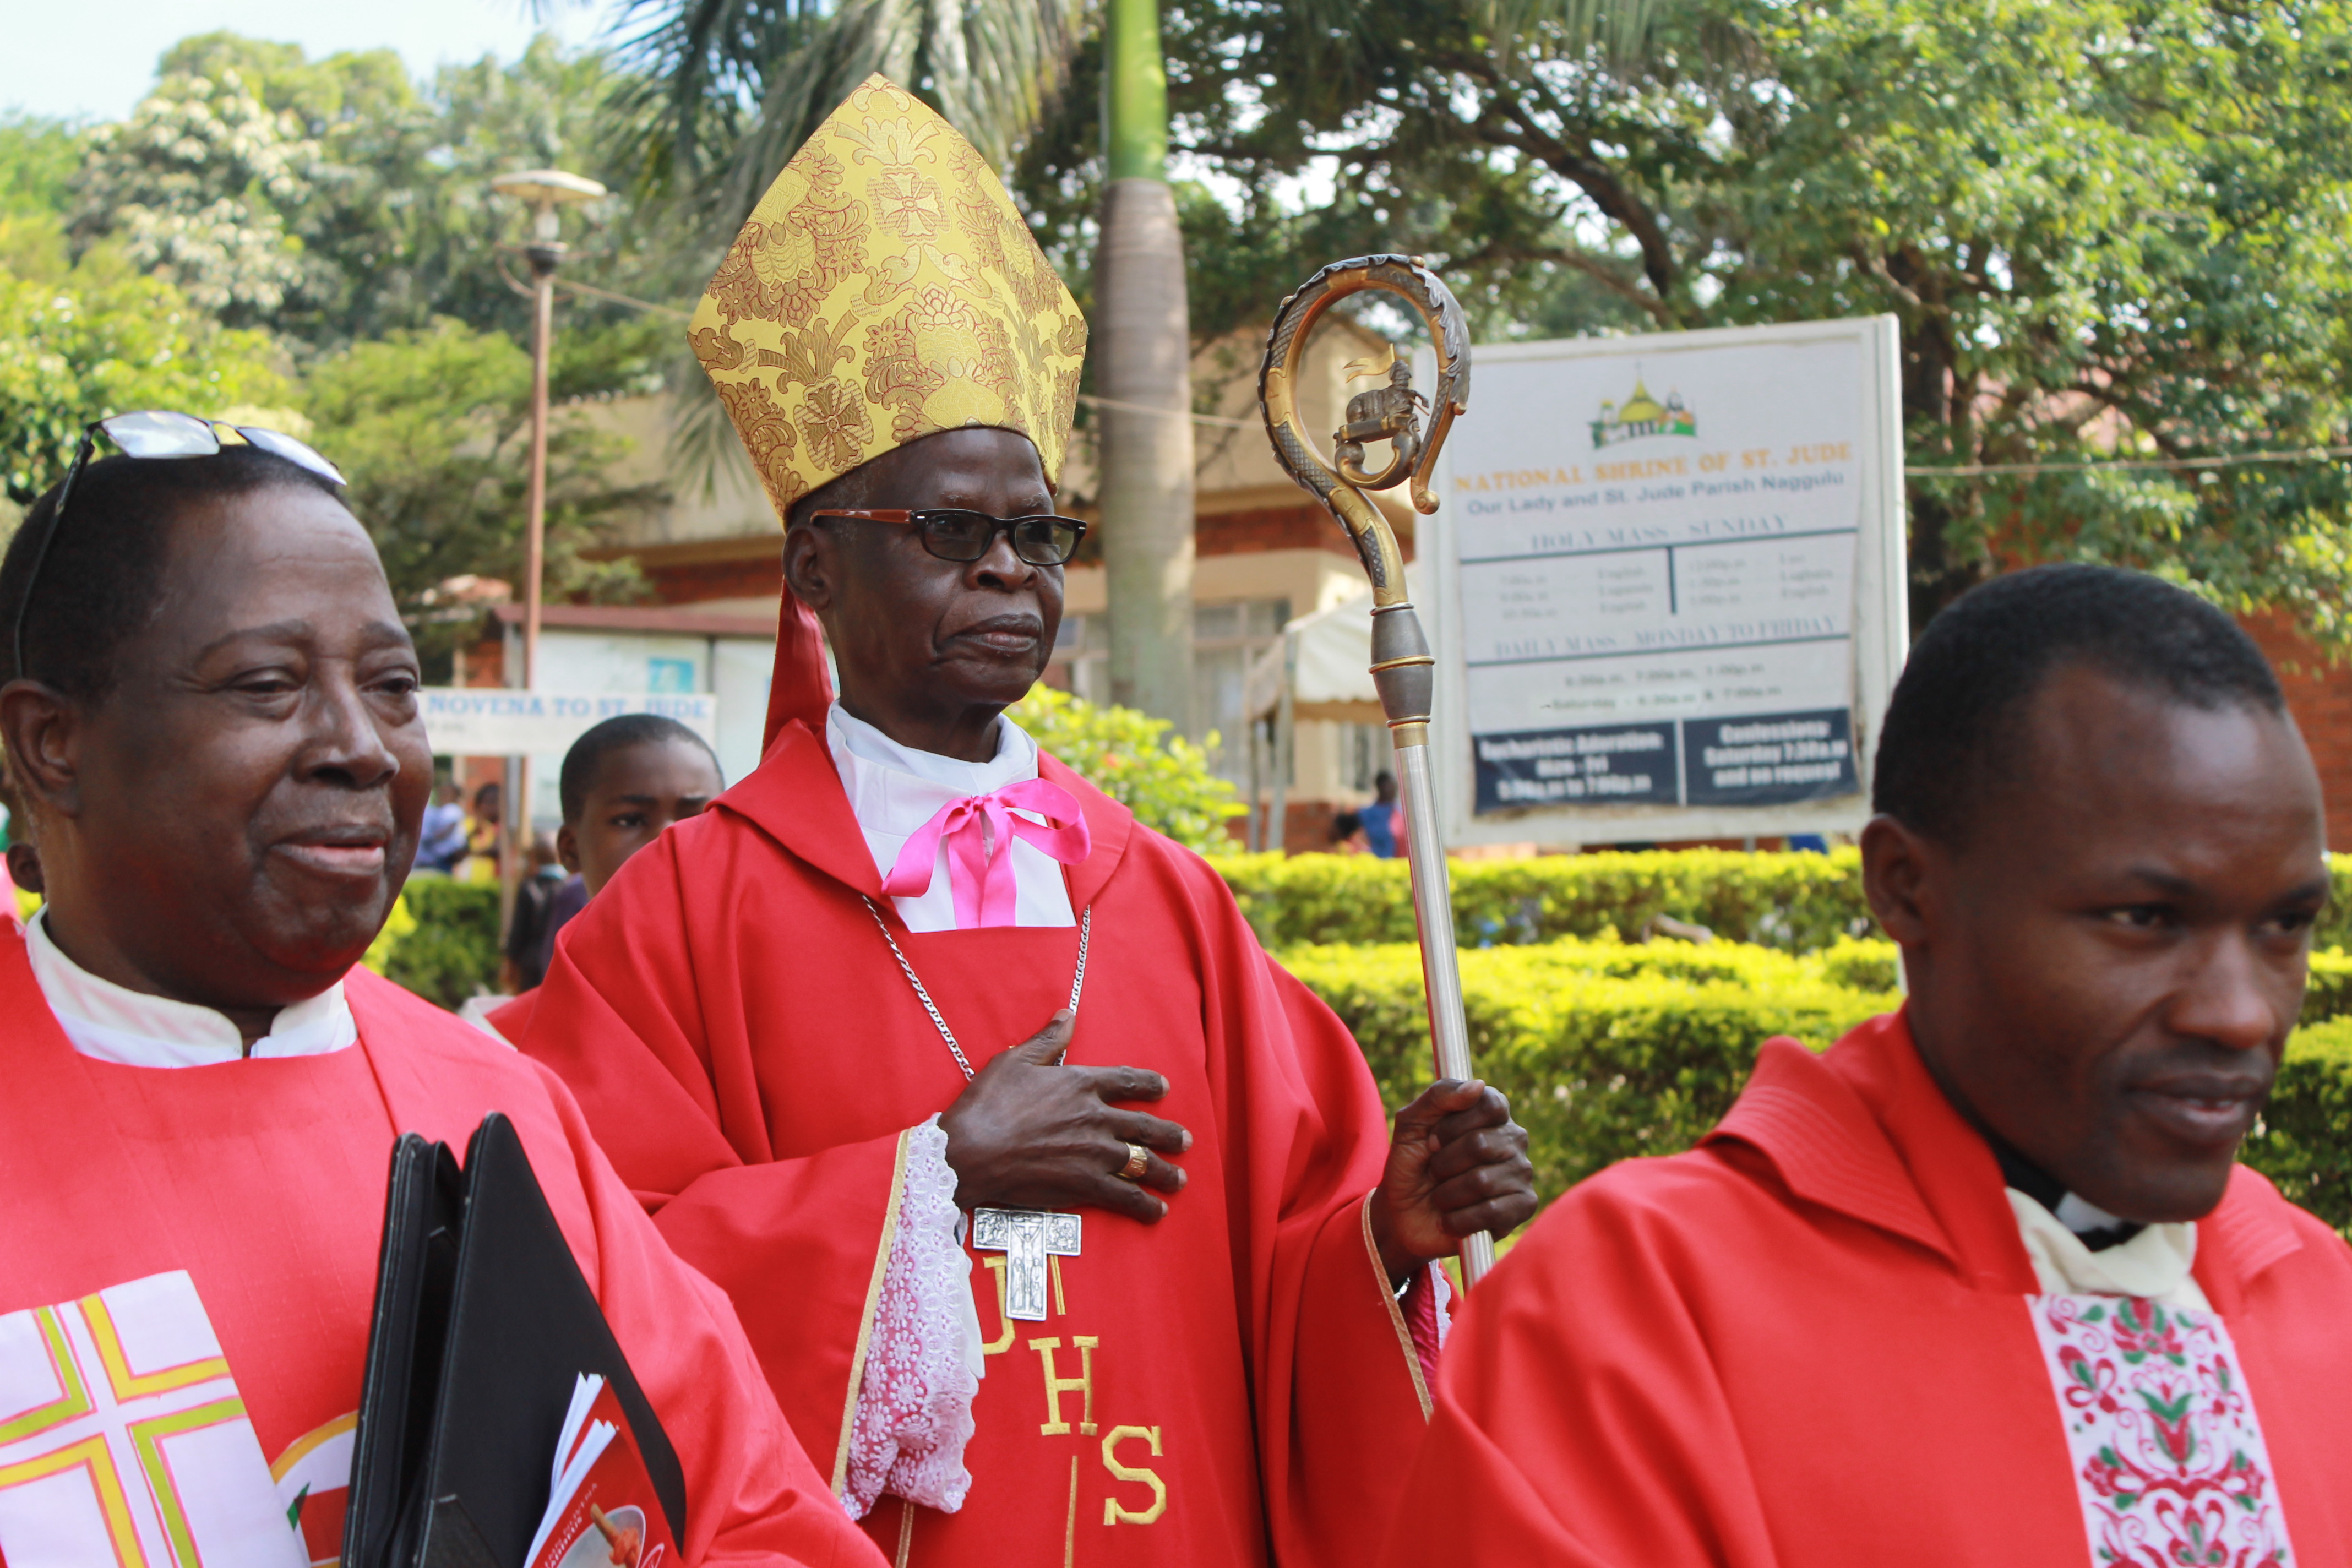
[543, 191]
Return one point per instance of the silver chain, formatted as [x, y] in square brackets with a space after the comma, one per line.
[1077, 981]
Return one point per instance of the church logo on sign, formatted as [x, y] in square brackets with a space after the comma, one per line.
[1642, 414]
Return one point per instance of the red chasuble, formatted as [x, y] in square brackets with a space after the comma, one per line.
[1817, 1341]
[512, 1021]
[188, 1265]
[1234, 1380]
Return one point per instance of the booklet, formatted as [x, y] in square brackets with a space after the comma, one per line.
[601, 1508]
[492, 1380]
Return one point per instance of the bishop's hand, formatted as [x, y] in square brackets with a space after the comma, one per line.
[1027, 1133]
[1457, 1164]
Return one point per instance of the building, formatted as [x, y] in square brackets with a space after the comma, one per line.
[1265, 552]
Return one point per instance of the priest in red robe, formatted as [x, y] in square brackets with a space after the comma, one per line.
[1983, 1283]
[1152, 1286]
[211, 722]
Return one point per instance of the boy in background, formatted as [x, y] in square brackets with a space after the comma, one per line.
[623, 783]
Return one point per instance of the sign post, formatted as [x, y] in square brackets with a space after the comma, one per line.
[1670, 586]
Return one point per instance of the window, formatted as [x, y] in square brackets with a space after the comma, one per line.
[1081, 662]
[1227, 640]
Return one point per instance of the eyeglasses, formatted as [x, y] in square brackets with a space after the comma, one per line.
[955, 534]
[154, 433]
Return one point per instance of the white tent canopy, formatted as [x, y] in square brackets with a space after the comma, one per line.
[1319, 670]
[1325, 660]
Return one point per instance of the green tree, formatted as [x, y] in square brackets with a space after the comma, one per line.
[193, 187]
[1142, 336]
[335, 200]
[37, 159]
[105, 338]
[1131, 757]
[2108, 229]
[430, 426]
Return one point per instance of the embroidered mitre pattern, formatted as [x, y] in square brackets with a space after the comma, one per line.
[883, 289]
[2169, 1457]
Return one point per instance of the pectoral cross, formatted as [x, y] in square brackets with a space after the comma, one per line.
[1025, 1237]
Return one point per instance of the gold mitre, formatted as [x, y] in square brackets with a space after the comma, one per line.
[886, 288]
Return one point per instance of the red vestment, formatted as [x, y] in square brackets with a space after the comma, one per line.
[264, 1180]
[512, 1018]
[1818, 1341]
[1233, 1379]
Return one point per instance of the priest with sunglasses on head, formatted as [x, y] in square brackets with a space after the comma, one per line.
[211, 721]
[1068, 1225]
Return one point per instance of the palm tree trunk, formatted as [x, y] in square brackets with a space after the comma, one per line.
[1143, 347]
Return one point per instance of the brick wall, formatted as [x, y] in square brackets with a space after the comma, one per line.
[1304, 526]
[2320, 697]
[761, 576]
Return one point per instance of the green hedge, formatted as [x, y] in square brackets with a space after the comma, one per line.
[1796, 903]
[1607, 1049]
[2304, 1141]
[454, 951]
[1610, 1050]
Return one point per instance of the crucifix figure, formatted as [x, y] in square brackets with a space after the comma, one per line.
[1025, 1237]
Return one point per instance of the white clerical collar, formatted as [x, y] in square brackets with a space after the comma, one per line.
[115, 1024]
[2156, 1263]
[1015, 758]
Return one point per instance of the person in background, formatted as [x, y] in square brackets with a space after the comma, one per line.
[443, 843]
[531, 933]
[480, 863]
[1348, 834]
[1379, 818]
[623, 783]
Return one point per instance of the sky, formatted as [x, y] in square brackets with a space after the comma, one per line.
[94, 59]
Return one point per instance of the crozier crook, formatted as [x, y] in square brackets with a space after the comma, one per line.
[1403, 667]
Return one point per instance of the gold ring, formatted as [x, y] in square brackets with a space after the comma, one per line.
[1138, 1160]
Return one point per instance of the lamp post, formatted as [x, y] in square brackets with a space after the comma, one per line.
[543, 191]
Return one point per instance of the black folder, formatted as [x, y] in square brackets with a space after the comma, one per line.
[482, 1325]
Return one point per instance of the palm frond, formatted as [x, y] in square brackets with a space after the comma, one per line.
[1620, 29]
[733, 87]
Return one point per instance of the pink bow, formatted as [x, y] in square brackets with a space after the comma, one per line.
[980, 831]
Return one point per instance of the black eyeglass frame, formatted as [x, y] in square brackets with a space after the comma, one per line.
[922, 519]
[276, 443]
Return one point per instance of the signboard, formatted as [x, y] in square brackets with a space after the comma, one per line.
[1670, 584]
[498, 721]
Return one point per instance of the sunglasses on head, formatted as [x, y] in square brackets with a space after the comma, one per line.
[154, 433]
[952, 533]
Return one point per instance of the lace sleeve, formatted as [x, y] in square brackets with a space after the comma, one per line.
[1427, 1307]
[922, 1361]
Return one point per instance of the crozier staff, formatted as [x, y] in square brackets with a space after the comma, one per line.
[911, 971]
[211, 715]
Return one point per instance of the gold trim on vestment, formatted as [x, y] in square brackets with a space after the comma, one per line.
[1396, 1314]
[865, 1324]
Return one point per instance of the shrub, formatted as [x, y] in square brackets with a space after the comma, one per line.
[453, 950]
[2304, 1141]
[1607, 1049]
[1163, 779]
[1610, 1050]
[1798, 902]
[1795, 902]
[2329, 993]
